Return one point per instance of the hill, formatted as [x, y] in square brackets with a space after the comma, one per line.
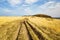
[42, 15]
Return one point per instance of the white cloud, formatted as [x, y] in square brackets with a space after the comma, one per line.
[28, 11]
[7, 10]
[14, 2]
[30, 1]
[50, 8]
[50, 4]
[18, 2]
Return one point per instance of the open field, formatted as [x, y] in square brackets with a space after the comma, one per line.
[29, 28]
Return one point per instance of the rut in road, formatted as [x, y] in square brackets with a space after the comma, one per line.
[27, 30]
[40, 33]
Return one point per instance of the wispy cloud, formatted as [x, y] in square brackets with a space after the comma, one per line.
[30, 1]
[28, 11]
[18, 2]
[14, 2]
[29, 7]
[50, 8]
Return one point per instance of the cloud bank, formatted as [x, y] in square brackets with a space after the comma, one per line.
[51, 8]
[30, 7]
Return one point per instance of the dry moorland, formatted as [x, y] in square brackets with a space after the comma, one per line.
[29, 28]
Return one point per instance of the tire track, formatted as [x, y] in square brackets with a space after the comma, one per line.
[31, 32]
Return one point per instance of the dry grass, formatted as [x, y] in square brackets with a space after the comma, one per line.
[10, 26]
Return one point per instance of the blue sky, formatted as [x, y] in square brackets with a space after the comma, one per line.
[29, 7]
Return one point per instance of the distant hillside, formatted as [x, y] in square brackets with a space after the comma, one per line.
[42, 15]
[57, 17]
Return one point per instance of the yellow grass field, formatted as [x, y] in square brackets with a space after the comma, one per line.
[29, 28]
